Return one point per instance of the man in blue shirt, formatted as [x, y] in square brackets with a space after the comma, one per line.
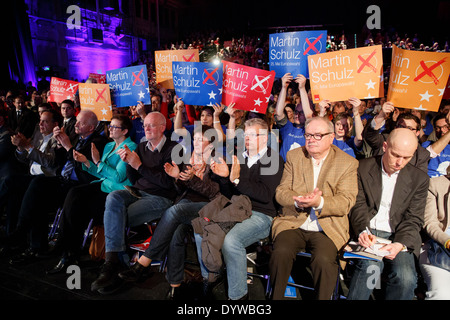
[439, 150]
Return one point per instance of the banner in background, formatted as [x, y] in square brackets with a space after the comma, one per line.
[418, 79]
[447, 90]
[352, 73]
[289, 51]
[198, 83]
[249, 88]
[97, 98]
[62, 89]
[163, 64]
[101, 78]
[129, 85]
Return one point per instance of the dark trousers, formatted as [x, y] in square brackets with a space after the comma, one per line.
[12, 189]
[324, 265]
[168, 239]
[44, 195]
[82, 203]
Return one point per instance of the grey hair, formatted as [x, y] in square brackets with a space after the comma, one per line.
[160, 116]
[92, 117]
[324, 120]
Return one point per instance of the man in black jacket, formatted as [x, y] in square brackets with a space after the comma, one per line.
[390, 204]
[21, 119]
[255, 174]
[152, 194]
[68, 112]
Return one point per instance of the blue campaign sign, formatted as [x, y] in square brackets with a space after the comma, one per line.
[128, 86]
[289, 51]
[198, 83]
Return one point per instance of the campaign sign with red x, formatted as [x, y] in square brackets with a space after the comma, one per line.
[100, 78]
[129, 85]
[163, 64]
[97, 98]
[352, 73]
[289, 51]
[198, 83]
[249, 88]
[62, 89]
[418, 79]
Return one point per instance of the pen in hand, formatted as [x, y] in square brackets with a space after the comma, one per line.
[372, 239]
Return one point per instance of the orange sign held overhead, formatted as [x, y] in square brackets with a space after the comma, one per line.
[418, 79]
[163, 64]
[340, 75]
[96, 97]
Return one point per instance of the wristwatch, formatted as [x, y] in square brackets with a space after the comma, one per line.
[236, 181]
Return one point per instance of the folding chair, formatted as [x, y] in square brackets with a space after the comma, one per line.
[252, 257]
[142, 246]
[336, 295]
[268, 289]
[55, 225]
[87, 232]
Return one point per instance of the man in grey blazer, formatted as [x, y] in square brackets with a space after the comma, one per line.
[390, 204]
[40, 155]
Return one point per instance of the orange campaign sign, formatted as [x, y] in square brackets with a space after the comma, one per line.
[418, 79]
[352, 73]
[96, 97]
[163, 64]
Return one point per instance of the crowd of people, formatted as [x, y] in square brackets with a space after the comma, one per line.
[254, 50]
[308, 176]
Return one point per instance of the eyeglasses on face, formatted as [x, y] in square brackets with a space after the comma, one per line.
[405, 127]
[253, 135]
[153, 125]
[110, 127]
[316, 136]
[440, 128]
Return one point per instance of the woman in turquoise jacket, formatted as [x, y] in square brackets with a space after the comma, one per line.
[86, 202]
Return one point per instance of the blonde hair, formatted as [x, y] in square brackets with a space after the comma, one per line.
[256, 122]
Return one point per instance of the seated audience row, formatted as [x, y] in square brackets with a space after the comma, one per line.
[324, 178]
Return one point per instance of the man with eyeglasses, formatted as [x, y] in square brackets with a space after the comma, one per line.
[256, 174]
[375, 135]
[439, 150]
[317, 191]
[152, 193]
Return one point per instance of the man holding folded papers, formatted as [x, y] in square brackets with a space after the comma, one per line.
[390, 204]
